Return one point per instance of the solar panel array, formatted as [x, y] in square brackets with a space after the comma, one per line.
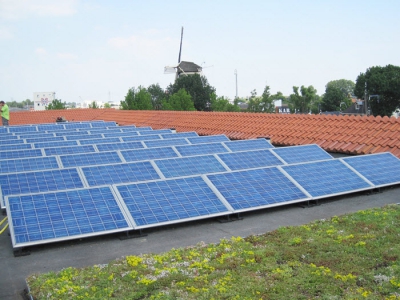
[95, 178]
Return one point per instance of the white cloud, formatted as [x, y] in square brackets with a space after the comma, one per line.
[11, 9]
[41, 51]
[67, 56]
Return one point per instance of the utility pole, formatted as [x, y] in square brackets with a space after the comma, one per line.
[236, 84]
[365, 99]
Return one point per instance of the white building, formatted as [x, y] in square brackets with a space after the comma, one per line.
[42, 99]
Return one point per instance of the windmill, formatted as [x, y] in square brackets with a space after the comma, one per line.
[183, 67]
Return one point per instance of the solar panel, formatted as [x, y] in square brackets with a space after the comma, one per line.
[35, 135]
[76, 125]
[69, 150]
[114, 134]
[256, 189]
[65, 215]
[298, 154]
[84, 136]
[141, 138]
[199, 149]
[90, 159]
[28, 164]
[8, 136]
[45, 139]
[381, 169]
[208, 139]
[68, 132]
[138, 128]
[131, 128]
[9, 142]
[147, 154]
[3, 129]
[103, 124]
[104, 130]
[22, 128]
[55, 144]
[179, 135]
[120, 173]
[45, 127]
[185, 166]
[99, 141]
[243, 145]
[170, 201]
[250, 159]
[326, 178]
[120, 146]
[165, 143]
[150, 132]
[39, 181]
[20, 153]
[15, 147]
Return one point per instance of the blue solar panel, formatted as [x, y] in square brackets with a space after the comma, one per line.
[103, 124]
[69, 150]
[131, 128]
[99, 141]
[15, 147]
[45, 139]
[120, 146]
[114, 134]
[138, 129]
[104, 130]
[244, 145]
[250, 159]
[20, 153]
[84, 136]
[68, 132]
[147, 154]
[3, 129]
[380, 169]
[76, 125]
[165, 143]
[170, 201]
[28, 164]
[90, 159]
[56, 216]
[150, 132]
[9, 142]
[208, 139]
[22, 128]
[39, 181]
[185, 166]
[141, 138]
[55, 144]
[120, 173]
[179, 135]
[35, 135]
[8, 136]
[46, 127]
[326, 178]
[199, 149]
[298, 154]
[256, 189]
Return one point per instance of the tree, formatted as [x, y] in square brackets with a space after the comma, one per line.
[56, 104]
[222, 104]
[304, 101]
[179, 101]
[107, 105]
[94, 105]
[137, 99]
[198, 88]
[384, 84]
[336, 93]
[157, 95]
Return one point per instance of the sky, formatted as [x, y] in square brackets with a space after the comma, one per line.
[97, 50]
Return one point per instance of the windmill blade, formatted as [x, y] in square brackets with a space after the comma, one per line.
[180, 48]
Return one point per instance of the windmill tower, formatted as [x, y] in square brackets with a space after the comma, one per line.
[183, 67]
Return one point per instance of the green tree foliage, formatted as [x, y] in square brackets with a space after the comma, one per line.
[22, 104]
[180, 100]
[137, 99]
[56, 104]
[303, 101]
[384, 82]
[107, 105]
[93, 105]
[336, 93]
[157, 95]
[197, 86]
[265, 103]
[223, 104]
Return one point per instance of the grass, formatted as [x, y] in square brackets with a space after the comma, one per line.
[355, 256]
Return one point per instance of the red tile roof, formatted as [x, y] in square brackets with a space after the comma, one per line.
[345, 134]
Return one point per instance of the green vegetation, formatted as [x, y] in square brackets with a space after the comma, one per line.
[56, 104]
[355, 256]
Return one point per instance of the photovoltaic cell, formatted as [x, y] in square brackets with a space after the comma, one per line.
[15, 147]
[69, 150]
[100, 141]
[56, 216]
[103, 124]
[114, 134]
[244, 145]
[84, 136]
[326, 178]
[46, 127]
[104, 130]
[170, 201]
[28, 164]
[208, 139]
[298, 154]
[8, 136]
[381, 169]
[39, 181]
[10, 142]
[185, 166]
[90, 159]
[250, 159]
[141, 138]
[120, 173]
[200, 149]
[68, 132]
[76, 125]
[45, 139]
[147, 154]
[165, 143]
[55, 144]
[20, 154]
[138, 128]
[35, 135]
[255, 189]
[150, 132]
[3, 129]
[129, 128]
[22, 128]
[179, 135]
[120, 146]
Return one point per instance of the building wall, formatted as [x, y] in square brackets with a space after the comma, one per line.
[42, 99]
